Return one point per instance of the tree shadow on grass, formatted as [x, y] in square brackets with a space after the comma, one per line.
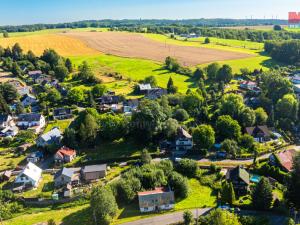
[82, 217]
[270, 63]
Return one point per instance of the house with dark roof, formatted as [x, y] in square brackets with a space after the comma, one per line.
[94, 172]
[32, 121]
[35, 157]
[53, 137]
[62, 113]
[259, 133]
[156, 200]
[184, 142]
[283, 160]
[28, 100]
[155, 93]
[130, 106]
[67, 176]
[65, 155]
[240, 180]
[34, 74]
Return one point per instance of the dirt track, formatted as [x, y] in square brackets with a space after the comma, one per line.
[138, 46]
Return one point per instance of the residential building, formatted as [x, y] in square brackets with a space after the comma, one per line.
[109, 100]
[249, 85]
[130, 105]
[240, 180]
[94, 172]
[155, 93]
[10, 131]
[283, 160]
[5, 176]
[33, 121]
[143, 88]
[67, 176]
[62, 113]
[28, 100]
[35, 73]
[184, 141]
[30, 175]
[53, 137]
[35, 157]
[6, 121]
[65, 155]
[260, 133]
[156, 200]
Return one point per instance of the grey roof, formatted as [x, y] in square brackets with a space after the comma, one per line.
[34, 72]
[94, 168]
[30, 117]
[52, 134]
[62, 111]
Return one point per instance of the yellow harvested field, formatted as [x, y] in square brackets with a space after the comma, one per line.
[64, 45]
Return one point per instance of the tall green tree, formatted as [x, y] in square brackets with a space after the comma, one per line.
[212, 71]
[227, 193]
[61, 72]
[51, 57]
[171, 88]
[293, 187]
[262, 195]
[199, 74]
[88, 130]
[17, 52]
[287, 107]
[146, 157]
[188, 217]
[261, 116]
[220, 217]
[225, 74]
[204, 136]
[69, 65]
[228, 128]
[103, 204]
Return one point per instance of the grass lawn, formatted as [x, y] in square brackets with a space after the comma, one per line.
[62, 124]
[199, 197]
[135, 69]
[117, 149]
[10, 161]
[45, 188]
[78, 215]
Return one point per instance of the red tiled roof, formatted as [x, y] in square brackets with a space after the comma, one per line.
[286, 159]
[158, 190]
[66, 151]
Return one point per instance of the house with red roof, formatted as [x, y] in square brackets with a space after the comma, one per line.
[155, 200]
[284, 159]
[249, 85]
[65, 155]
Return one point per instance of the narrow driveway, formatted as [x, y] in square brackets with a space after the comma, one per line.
[168, 218]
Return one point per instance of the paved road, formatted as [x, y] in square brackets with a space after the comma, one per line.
[167, 218]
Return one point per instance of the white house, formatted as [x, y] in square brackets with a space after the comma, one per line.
[184, 141]
[31, 175]
[33, 121]
[296, 79]
[54, 136]
[6, 121]
[10, 131]
[28, 100]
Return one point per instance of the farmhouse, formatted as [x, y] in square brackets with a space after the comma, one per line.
[30, 176]
[34, 121]
[64, 155]
[284, 159]
[62, 113]
[67, 176]
[53, 137]
[156, 200]
[94, 172]
[260, 133]
[240, 180]
[184, 141]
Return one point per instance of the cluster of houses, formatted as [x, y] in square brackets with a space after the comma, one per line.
[64, 179]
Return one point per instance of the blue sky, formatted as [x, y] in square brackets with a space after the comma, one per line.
[52, 11]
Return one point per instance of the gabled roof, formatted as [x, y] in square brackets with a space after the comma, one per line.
[32, 171]
[30, 73]
[144, 87]
[94, 168]
[158, 190]
[240, 173]
[27, 96]
[253, 131]
[30, 117]
[51, 135]
[248, 83]
[286, 158]
[183, 133]
[62, 111]
[65, 151]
